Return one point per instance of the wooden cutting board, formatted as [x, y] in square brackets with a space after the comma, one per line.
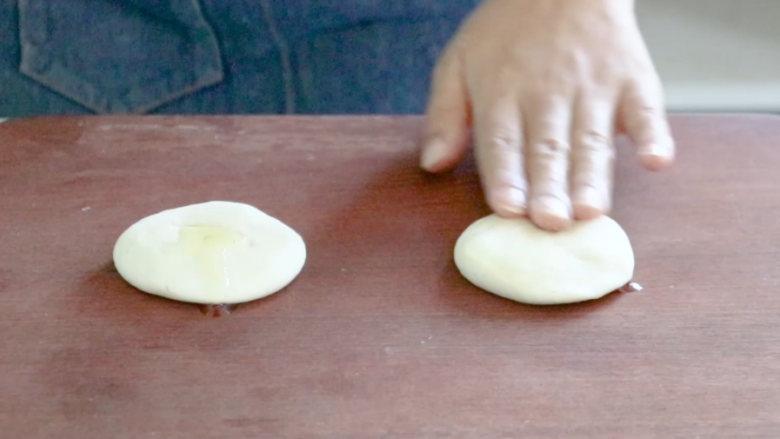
[379, 337]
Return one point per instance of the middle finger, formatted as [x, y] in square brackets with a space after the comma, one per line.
[548, 128]
[592, 157]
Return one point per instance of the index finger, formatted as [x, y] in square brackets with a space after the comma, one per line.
[499, 151]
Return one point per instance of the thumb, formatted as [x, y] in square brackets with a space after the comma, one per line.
[447, 116]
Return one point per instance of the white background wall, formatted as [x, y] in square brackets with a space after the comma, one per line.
[715, 55]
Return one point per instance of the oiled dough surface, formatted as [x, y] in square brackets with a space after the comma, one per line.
[516, 260]
[211, 253]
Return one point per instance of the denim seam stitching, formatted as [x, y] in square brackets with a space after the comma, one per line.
[284, 55]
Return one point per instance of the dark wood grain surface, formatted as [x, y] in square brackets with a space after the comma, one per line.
[379, 337]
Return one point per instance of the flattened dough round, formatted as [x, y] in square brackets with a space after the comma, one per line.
[210, 253]
[514, 259]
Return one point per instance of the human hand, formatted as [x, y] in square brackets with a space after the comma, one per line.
[544, 85]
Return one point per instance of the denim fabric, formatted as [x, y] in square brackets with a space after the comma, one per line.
[221, 56]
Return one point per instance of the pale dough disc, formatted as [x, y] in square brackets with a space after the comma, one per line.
[211, 253]
[514, 259]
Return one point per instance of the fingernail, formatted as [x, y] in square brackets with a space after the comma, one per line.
[554, 206]
[550, 213]
[514, 203]
[656, 156]
[656, 148]
[589, 204]
[433, 153]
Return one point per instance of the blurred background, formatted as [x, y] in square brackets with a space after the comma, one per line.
[715, 55]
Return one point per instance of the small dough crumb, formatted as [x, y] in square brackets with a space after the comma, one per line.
[631, 287]
[211, 253]
[514, 259]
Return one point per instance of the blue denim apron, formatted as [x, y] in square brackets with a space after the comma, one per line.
[221, 56]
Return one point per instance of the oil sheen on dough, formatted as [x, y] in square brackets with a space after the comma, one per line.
[514, 259]
[210, 253]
